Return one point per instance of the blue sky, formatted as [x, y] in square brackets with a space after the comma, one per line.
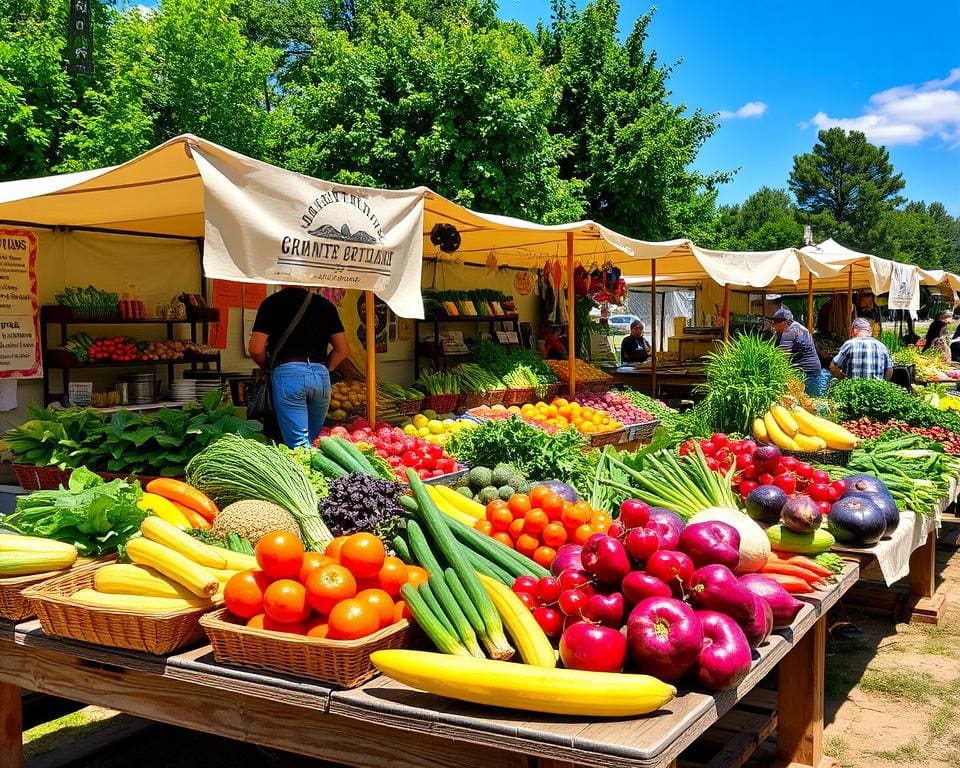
[780, 71]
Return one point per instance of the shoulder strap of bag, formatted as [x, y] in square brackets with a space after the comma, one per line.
[286, 334]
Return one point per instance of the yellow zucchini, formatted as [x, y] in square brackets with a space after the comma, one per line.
[444, 505]
[173, 565]
[164, 509]
[30, 562]
[135, 603]
[129, 579]
[531, 641]
[519, 686]
[236, 561]
[475, 509]
[14, 542]
[159, 530]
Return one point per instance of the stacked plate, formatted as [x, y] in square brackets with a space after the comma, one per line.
[184, 390]
[205, 385]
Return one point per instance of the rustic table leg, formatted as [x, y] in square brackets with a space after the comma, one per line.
[925, 604]
[800, 700]
[11, 726]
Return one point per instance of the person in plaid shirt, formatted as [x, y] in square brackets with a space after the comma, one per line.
[862, 356]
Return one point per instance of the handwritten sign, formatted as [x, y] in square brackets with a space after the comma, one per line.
[19, 310]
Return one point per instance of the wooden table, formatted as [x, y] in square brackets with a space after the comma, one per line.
[385, 723]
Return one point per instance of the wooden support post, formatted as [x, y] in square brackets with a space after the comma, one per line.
[653, 329]
[726, 313]
[369, 319]
[810, 319]
[571, 322]
[800, 700]
[849, 296]
[926, 606]
[11, 726]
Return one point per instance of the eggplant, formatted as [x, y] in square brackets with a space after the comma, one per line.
[866, 484]
[877, 492]
[801, 515]
[566, 492]
[765, 503]
[856, 520]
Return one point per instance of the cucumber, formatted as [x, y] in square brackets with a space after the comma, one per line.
[402, 549]
[505, 558]
[484, 566]
[326, 466]
[441, 636]
[347, 455]
[785, 540]
[431, 600]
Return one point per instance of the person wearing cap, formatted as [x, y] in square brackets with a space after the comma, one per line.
[797, 342]
[862, 356]
[634, 348]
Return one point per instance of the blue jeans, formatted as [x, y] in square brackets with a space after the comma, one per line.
[301, 397]
[816, 383]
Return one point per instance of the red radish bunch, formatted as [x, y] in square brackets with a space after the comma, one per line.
[400, 450]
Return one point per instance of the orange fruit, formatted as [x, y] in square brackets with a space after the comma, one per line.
[544, 556]
[537, 494]
[352, 619]
[504, 538]
[333, 548]
[243, 593]
[380, 601]
[500, 518]
[400, 611]
[312, 561]
[484, 526]
[519, 504]
[280, 555]
[256, 622]
[328, 586]
[573, 516]
[535, 521]
[552, 504]
[527, 544]
[582, 533]
[318, 628]
[363, 554]
[291, 628]
[554, 535]
[285, 601]
[392, 575]
[516, 528]
[416, 575]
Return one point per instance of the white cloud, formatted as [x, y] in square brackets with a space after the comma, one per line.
[748, 110]
[906, 114]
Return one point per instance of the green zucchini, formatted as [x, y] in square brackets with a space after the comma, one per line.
[452, 550]
[358, 460]
[326, 466]
[785, 540]
[332, 448]
[431, 600]
[505, 558]
[445, 640]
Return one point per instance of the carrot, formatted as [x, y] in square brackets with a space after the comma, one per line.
[789, 569]
[176, 490]
[195, 519]
[793, 584]
[812, 565]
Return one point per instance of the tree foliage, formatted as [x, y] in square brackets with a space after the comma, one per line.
[765, 221]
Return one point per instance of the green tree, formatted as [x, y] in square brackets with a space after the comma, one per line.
[845, 186]
[765, 221]
[631, 145]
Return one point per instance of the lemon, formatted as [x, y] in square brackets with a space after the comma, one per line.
[423, 431]
[420, 420]
[411, 430]
[435, 427]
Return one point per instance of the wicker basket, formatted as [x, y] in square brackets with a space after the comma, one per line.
[16, 607]
[826, 456]
[33, 478]
[440, 403]
[642, 431]
[612, 437]
[519, 396]
[156, 633]
[592, 387]
[550, 391]
[345, 663]
[409, 407]
[469, 400]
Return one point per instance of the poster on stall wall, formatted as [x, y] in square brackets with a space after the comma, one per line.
[904, 287]
[229, 295]
[19, 310]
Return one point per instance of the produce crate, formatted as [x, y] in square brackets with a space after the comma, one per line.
[440, 403]
[33, 478]
[641, 431]
[519, 396]
[826, 456]
[345, 663]
[612, 437]
[592, 387]
[468, 400]
[16, 607]
[156, 633]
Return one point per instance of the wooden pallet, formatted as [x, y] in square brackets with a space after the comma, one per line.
[733, 741]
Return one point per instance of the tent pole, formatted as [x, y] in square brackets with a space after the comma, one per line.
[653, 330]
[726, 313]
[849, 296]
[810, 302]
[371, 331]
[571, 322]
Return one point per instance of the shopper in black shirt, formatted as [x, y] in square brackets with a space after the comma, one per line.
[634, 348]
[301, 374]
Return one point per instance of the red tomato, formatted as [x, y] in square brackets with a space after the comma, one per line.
[750, 473]
[819, 492]
[746, 486]
[765, 479]
[787, 482]
[819, 476]
[789, 462]
[744, 460]
[804, 470]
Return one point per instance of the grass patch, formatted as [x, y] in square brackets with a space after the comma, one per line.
[943, 721]
[913, 686]
[46, 737]
[835, 746]
[938, 647]
[911, 752]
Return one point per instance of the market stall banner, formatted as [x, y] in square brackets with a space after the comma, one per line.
[265, 224]
[904, 287]
[19, 309]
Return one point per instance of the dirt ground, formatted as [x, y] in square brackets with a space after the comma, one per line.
[893, 700]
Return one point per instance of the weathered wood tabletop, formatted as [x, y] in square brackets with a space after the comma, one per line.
[385, 723]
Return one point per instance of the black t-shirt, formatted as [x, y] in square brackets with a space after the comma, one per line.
[311, 337]
[633, 350]
[933, 332]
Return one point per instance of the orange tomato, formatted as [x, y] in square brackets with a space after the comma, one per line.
[573, 516]
[363, 554]
[318, 628]
[280, 554]
[535, 521]
[392, 575]
[256, 622]
[537, 494]
[352, 619]
[504, 538]
[243, 593]
[380, 601]
[500, 518]
[400, 611]
[552, 504]
[484, 526]
[328, 586]
[544, 556]
[493, 506]
[527, 544]
[291, 628]
[312, 561]
[519, 504]
[582, 533]
[554, 535]
[285, 601]
[416, 575]
[516, 528]
[333, 548]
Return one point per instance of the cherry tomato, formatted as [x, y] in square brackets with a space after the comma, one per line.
[720, 440]
[548, 590]
[765, 479]
[824, 507]
[707, 447]
[746, 486]
[572, 601]
[840, 485]
[804, 470]
[789, 462]
[819, 476]
[525, 584]
[819, 492]
[832, 493]
[744, 460]
[748, 446]
[550, 620]
[750, 473]
[787, 482]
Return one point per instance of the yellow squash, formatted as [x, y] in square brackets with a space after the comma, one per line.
[236, 561]
[173, 565]
[164, 509]
[520, 686]
[159, 530]
[530, 639]
[129, 579]
[27, 555]
[475, 509]
[444, 505]
[135, 603]
[777, 436]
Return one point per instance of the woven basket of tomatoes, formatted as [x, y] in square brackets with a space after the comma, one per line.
[314, 615]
